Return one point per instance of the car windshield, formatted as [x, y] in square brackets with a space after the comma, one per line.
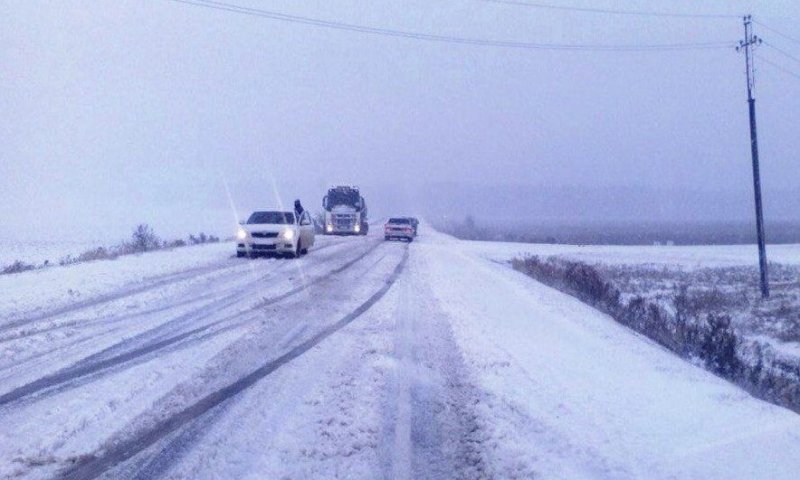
[343, 196]
[277, 218]
[399, 221]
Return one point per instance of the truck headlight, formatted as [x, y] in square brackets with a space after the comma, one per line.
[241, 234]
[287, 234]
[357, 228]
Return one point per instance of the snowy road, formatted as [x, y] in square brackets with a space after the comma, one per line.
[364, 359]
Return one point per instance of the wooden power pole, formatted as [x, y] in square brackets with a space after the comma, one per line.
[750, 40]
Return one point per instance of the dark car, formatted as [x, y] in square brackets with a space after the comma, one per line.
[399, 228]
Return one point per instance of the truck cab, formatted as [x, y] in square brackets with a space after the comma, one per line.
[345, 211]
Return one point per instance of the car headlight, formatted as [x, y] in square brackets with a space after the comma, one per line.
[329, 227]
[357, 228]
[287, 234]
[241, 234]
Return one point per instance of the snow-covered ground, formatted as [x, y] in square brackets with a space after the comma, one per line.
[365, 359]
[44, 289]
[37, 252]
[674, 255]
[728, 271]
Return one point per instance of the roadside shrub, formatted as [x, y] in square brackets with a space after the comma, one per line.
[579, 279]
[99, 253]
[176, 243]
[17, 267]
[719, 346]
[695, 327]
[144, 239]
[586, 280]
[198, 239]
[202, 238]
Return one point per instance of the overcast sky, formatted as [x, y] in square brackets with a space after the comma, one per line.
[118, 112]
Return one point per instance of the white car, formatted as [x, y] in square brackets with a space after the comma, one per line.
[275, 233]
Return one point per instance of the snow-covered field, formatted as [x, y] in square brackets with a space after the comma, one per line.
[37, 252]
[684, 256]
[365, 359]
[46, 289]
[719, 279]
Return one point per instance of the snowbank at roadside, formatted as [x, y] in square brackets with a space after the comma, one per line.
[577, 395]
[41, 290]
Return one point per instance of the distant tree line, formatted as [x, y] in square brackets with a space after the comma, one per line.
[611, 232]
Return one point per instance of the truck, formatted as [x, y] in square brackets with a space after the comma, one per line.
[345, 211]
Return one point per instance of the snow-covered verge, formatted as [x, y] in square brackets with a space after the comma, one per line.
[44, 290]
[27, 256]
[570, 393]
[694, 319]
[729, 271]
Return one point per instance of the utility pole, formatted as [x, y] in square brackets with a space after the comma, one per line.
[747, 45]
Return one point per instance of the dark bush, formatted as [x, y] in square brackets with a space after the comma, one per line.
[202, 238]
[697, 328]
[17, 267]
[144, 239]
[177, 243]
[719, 346]
[99, 253]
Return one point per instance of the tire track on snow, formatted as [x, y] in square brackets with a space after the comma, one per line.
[124, 450]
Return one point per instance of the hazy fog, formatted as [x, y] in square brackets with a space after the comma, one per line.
[115, 113]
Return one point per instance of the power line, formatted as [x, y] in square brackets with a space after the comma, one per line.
[640, 13]
[781, 51]
[778, 66]
[777, 32]
[229, 7]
